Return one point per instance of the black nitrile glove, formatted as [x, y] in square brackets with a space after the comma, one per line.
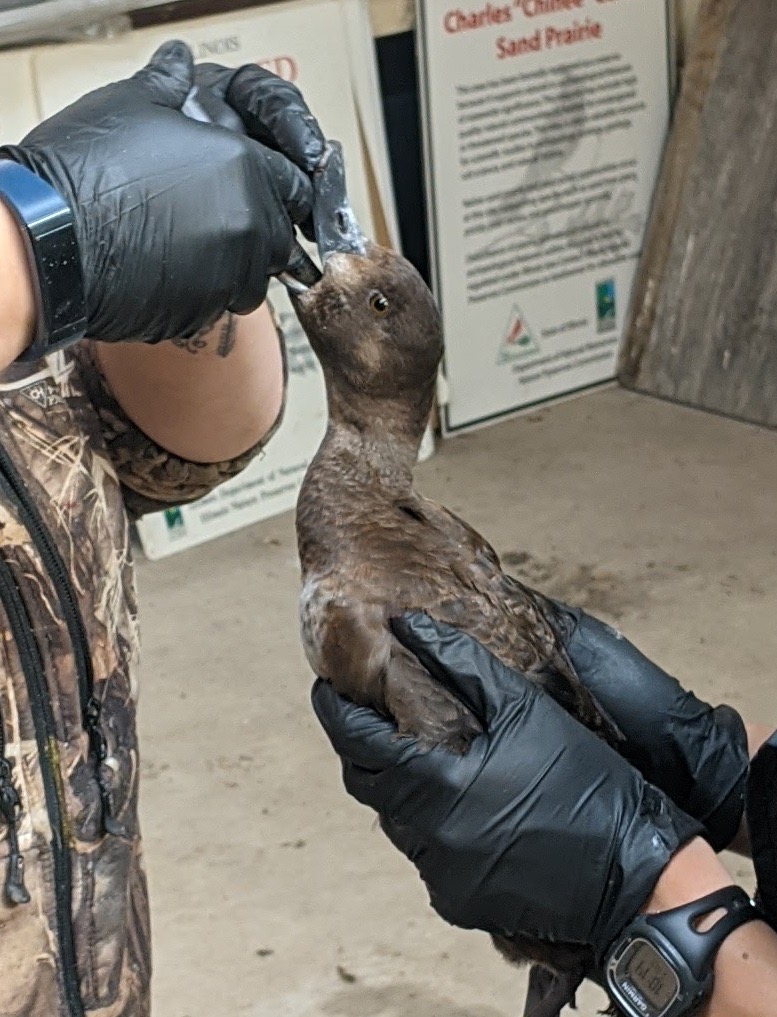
[177, 221]
[271, 108]
[762, 825]
[539, 829]
[695, 753]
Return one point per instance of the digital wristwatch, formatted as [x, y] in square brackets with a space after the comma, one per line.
[47, 224]
[662, 965]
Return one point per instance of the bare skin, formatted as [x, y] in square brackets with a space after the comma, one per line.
[206, 400]
[205, 403]
[746, 965]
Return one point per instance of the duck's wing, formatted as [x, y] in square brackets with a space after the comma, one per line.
[520, 626]
[514, 622]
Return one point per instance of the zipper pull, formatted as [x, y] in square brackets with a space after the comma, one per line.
[11, 809]
[99, 749]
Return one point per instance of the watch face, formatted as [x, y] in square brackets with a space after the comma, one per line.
[644, 980]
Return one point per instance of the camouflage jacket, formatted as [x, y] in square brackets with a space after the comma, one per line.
[74, 932]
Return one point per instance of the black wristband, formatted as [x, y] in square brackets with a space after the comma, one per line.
[53, 256]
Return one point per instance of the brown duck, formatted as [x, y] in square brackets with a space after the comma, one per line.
[372, 547]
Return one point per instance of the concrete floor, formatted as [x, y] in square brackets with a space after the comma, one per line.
[273, 894]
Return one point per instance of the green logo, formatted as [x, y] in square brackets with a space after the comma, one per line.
[175, 521]
[518, 340]
[605, 306]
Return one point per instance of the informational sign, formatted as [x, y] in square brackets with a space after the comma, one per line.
[545, 125]
[316, 45]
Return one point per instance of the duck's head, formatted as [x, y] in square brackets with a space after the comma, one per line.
[373, 324]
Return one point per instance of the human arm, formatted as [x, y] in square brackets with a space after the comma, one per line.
[232, 373]
[177, 220]
[540, 828]
[746, 965]
[206, 399]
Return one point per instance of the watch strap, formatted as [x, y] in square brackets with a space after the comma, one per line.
[698, 948]
[47, 224]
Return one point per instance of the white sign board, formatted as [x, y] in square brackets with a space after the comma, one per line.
[545, 125]
[312, 44]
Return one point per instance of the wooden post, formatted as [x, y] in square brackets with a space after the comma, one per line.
[703, 327]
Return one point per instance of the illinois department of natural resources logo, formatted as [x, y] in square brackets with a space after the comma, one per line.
[605, 306]
[518, 340]
[175, 522]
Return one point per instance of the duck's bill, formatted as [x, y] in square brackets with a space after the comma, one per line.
[301, 272]
[335, 225]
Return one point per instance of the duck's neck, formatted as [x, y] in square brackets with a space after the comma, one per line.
[379, 439]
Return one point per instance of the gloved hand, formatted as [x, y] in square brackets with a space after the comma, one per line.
[540, 829]
[695, 753]
[177, 221]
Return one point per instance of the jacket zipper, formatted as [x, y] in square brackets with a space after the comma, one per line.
[48, 752]
[12, 487]
[91, 707]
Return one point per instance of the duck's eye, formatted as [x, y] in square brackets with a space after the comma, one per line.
[378, 303]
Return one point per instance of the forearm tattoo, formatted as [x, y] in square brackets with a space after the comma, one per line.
[227, 335]
[192, 343]
[198, 341]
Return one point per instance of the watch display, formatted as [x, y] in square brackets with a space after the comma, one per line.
[645, 978]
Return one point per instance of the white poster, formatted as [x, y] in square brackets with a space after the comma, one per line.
[311, 44]
[545, 125]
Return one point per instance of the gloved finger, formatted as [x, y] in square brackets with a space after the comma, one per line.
[169, 74]
[609, 664]
[643, 698]
[294, 189]
[275, 113]
[461, 664]
[694, 752]
[359, 735]
[392, 774]
[281, 192]
[214, 77]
